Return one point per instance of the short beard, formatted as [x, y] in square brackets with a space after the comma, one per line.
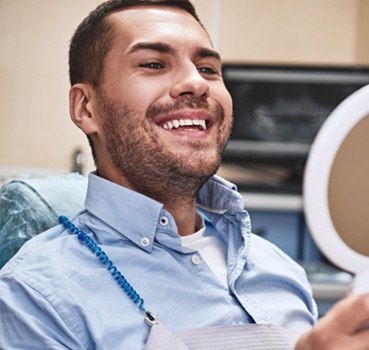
[145, 163]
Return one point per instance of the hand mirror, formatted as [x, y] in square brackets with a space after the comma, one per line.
[336, 188]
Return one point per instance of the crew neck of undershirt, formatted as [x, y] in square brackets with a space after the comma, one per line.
[194, 237]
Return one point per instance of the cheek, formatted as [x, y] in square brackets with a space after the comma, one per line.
[228, 105]
[140, 93]
[221, 95]
[225, 101]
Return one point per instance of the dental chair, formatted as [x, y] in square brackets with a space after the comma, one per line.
[33, 205]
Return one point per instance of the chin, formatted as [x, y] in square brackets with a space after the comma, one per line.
[200, 168]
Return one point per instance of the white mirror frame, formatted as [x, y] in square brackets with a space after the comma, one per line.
[316, 179]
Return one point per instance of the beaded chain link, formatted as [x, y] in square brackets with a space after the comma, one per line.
[104, 259]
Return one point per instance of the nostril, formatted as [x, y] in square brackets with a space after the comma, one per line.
[186, 93]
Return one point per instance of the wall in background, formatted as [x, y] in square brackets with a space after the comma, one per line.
[35, 129]
[332, 32]
[362, 43]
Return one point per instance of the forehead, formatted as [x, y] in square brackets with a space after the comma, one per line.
[158, 23]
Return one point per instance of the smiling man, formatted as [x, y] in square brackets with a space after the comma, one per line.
[159, 116]
[160, 231]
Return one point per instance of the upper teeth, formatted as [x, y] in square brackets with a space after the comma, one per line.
[184, 122]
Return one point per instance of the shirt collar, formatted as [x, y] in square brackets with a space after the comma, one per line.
[130, 213]
[219, 196]
[137, 216]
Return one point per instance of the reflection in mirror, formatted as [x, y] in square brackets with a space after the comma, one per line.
[348, 189]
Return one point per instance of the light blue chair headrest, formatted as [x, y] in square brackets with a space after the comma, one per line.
[31, 206]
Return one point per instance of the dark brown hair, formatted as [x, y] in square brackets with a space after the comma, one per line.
[92, 39]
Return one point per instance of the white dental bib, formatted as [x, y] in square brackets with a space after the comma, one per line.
[237, 337]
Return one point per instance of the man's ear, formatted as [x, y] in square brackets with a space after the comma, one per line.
[81, 108]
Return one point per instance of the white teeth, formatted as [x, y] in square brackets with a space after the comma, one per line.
[202, 123]
[184, 122]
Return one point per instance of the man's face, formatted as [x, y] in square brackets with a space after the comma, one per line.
[165, 112]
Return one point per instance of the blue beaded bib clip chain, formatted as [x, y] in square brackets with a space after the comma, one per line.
[115, 273]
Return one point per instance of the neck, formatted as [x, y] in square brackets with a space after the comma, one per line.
[184, 214]
[178, 194]
[179, 200]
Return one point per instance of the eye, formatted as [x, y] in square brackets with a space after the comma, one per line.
[207, 70]
[152, 65]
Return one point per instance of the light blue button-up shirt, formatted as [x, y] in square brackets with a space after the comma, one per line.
[55, 294]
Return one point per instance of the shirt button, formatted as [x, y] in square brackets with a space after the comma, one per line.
[144, 242]
[164, 221]
[195, 259]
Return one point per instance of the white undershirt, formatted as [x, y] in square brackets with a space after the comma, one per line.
[211, 250]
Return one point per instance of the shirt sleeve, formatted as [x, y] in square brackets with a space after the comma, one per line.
[283, 285]
[29, 321]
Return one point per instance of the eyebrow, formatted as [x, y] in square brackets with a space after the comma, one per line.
[154, 46]
[204, 52]
[167, 49]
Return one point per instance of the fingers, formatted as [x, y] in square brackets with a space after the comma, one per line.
[345, 326]
[361, 341]
[349, 315]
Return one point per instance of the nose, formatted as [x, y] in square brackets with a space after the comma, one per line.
[189, 81]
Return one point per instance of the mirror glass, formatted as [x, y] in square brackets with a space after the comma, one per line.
[348, 188]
